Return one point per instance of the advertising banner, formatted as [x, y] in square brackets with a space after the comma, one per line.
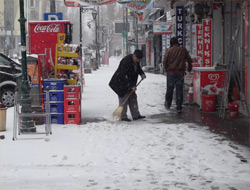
[84, 3]
[71, 3]
[33, 73]
[162, 28]
[44, 35]
[199, 42]
[135, 5]
[180, 25]
[207, 42]
[207, 81]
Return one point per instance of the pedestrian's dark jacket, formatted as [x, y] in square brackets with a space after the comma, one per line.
[126, 75]
[175, 59]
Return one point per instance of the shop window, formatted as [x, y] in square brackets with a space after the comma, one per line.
[32, 3]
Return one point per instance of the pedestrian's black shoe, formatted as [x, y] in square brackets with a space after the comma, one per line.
[139, 117]
[167, 106]
[126, 119]
[179, 110]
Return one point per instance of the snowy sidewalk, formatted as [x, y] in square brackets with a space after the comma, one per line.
[141, 155]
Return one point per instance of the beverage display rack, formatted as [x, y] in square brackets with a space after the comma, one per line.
[67, 56]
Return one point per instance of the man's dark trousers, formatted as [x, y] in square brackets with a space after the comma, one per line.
[174, 80]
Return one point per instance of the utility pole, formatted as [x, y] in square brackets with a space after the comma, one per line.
[27, 123]
[98, 38]
[81, 9]
[127, 31]
[52, 6]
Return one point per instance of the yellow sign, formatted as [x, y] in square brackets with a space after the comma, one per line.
[60, 38]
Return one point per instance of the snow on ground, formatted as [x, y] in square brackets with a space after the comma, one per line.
[108, 154]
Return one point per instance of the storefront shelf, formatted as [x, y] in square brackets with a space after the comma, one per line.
[67, 54]
[69, 81]
[67, 67]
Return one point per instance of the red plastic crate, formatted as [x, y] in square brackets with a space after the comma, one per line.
[72, 105]
[72, 91]
[72, 118]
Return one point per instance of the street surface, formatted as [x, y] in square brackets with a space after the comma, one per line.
[165, 151]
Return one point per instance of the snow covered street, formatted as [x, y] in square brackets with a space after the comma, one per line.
[106, 154]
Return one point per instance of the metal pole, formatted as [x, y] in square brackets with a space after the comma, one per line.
[27, 124]
[136, 34]
[80, 27]
[123, 32]
[96, 43]
[127, 31]
[52, 6]
[98, 39]
[80, 36]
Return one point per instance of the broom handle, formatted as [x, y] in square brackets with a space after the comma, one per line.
[131, 93]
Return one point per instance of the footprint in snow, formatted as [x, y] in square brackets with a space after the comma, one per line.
[64, 158]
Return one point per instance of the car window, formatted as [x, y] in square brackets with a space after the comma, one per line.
[4, 61]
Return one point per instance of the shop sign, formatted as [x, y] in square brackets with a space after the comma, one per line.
[163, 45]
[71, 3]
[168, 41]
[162, 28]
[180, 25]
[135, 5]
[83, 3]
[207, 42]
[199, 41]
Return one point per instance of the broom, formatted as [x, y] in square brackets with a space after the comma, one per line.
[118, 112]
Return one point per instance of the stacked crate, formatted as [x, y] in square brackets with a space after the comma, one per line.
[56, 98]
[72, 104]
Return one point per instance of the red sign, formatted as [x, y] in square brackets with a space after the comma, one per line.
[83, 3]
[43, 35]
[71, 4]
[139, 16]
[207, 81]
[199, 41]
[207, 42]
[213, 82]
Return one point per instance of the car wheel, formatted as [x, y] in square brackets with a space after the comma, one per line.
[8, 96]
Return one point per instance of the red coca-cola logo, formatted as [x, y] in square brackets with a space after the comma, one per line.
[46, 28]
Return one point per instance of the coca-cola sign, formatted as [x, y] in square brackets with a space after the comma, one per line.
[48, 28]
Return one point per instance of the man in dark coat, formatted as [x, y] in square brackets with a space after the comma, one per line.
[124, 81]
[175, 65]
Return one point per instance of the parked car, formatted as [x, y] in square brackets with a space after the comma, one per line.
[8, 68]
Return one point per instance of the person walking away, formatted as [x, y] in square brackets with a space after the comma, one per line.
[124, 81]
[175, 65]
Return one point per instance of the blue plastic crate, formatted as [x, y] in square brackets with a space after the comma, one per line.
[54, 95]
[56, 107]
[54, 84]
[57, 118]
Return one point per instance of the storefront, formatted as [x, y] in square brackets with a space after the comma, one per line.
[208, 30]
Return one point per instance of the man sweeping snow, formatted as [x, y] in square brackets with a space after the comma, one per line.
[123, 82]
